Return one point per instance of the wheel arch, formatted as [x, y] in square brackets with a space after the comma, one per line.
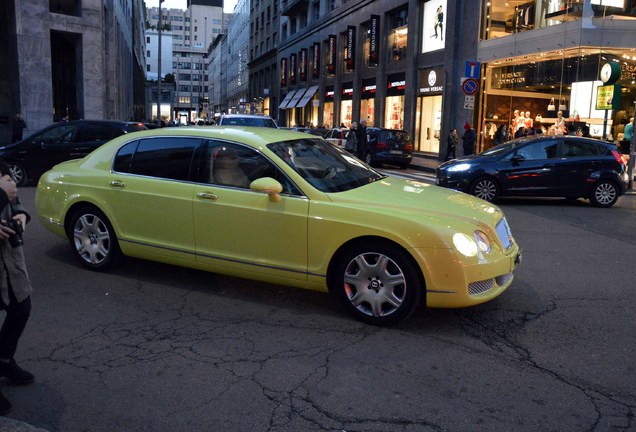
[337, 257]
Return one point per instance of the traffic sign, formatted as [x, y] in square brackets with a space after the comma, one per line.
[469, 102]
[470, 86]
[473, 69]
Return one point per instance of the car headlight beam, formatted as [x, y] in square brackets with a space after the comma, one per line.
[459, 167]
[471, 246]
[466, 245]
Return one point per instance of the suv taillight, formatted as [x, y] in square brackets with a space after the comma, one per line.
[408, 147]
[381, 145]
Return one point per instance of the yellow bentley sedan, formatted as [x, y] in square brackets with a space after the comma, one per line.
[281, 207]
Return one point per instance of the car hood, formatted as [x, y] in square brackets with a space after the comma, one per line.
[472, 159]
[417, 200]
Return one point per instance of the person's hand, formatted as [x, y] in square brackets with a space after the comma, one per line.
[9, 187]
[5, 231]
[23, 220]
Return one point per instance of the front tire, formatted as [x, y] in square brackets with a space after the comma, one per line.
[93, 239]
[604, 194]
[379, 283]
[485, 188]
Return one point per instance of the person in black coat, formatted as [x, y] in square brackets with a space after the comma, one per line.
[469, 138]
[361, 134]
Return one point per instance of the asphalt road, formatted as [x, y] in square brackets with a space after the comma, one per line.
[151, 347]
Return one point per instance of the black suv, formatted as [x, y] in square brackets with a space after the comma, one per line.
[390, 146]
[32, 156]
[549, 166]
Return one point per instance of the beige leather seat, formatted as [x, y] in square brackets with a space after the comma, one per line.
[226, 169]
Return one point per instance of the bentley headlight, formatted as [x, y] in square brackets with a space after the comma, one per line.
[482, 241]
[470, 246]
[459, 167]
[466, 245]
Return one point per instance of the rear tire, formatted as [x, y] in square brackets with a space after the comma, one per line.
[19, 173]
[485, 188]
[378, 282]
[93, 239]
[604, 194]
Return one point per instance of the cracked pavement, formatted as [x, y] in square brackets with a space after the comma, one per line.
[150, 347]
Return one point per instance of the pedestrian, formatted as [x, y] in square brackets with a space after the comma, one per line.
[521, 132]
[501, 136]
[469, 138]
[361, 135]
[18, 127]
[15, 287]
[629, 130]
[351, 144]
[451, 144]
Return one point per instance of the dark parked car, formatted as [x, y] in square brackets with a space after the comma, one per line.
[32, 156]
[246, 120]
[390, 146]
[554, 166]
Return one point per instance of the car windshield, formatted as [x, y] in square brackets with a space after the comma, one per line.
[503, 148]
[324, 166]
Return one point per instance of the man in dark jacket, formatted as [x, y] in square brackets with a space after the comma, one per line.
[15, 287]
[361, 134]
[469, 138]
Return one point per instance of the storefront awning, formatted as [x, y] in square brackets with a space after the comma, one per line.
[307, 97]
[286, 99]
[296, 98]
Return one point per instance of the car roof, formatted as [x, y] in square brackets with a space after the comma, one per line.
[253, 135]
[259, 116]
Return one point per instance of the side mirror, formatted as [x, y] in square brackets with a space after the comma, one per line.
[517, 158]
[269, 186]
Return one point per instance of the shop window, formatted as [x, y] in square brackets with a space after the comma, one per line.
[398, 35]
[502, 17]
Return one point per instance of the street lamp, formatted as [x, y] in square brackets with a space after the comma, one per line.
[159, 69]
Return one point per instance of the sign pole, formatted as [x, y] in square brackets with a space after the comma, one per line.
[632, 157]
[605, 126]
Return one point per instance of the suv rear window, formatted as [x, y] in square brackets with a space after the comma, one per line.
[398, 136]
[248, 121]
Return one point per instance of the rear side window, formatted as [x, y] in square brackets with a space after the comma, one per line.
[582, 149]
[98, 132]
[402, 137]
[169, 158]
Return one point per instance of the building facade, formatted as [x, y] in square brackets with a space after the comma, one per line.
[549, 54]
[263, 57]
[70, 59]
[237, 70]
[193, 30]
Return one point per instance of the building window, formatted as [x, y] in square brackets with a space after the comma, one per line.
[184, 88]
[398, 34]
[148, 39]
[147, 68]
[184, 77]
[148, 53]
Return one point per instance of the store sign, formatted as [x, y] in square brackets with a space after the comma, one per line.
[350, 59]
[303, 65]
[315, 54]
[292, 69]
[331, 55]
[608, 97]
[329, 94]
[283, 72]
[431, 81]
[396, 84]
[373, 40]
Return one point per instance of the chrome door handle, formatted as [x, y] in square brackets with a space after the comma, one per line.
[117, 183]
[207, 195]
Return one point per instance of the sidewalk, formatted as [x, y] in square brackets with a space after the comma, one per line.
[425, 162]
